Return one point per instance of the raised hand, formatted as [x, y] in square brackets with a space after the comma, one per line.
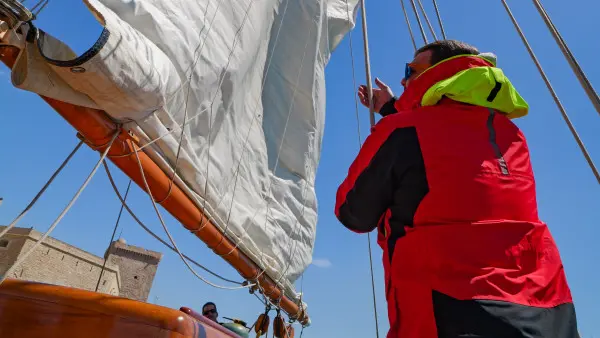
[381, 95]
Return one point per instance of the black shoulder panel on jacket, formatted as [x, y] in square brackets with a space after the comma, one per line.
[388, 182]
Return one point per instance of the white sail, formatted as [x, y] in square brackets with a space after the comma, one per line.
[249, 154]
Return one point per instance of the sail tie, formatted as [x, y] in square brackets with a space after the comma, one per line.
[552, 92]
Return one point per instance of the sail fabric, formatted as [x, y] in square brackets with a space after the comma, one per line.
[247, 76]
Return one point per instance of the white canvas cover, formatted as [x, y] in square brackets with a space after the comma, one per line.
[160, 60]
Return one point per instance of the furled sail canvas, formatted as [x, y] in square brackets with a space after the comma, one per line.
[245, 80]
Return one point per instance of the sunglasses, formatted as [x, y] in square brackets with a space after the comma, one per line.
[412, 68]
[209, 311]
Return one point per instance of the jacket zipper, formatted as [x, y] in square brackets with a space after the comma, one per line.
[498, 153]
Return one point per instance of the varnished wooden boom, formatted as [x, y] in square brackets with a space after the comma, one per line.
[35, 310]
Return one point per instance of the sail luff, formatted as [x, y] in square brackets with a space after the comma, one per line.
[96, 127]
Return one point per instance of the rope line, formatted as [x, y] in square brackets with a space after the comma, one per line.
[410, 31]
[41, 192]
[556, 99]
[583, 80]
[372, 118]
[162, 222]
[439, 17]
[112, 238]
[354, 86]
[427, 20]
[40, 6]
[151, 233]
[62, 214]
[414, 7]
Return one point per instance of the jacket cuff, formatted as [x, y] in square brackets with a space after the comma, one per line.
[388, 108]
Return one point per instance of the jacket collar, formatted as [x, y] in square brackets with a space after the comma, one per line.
[413, 94]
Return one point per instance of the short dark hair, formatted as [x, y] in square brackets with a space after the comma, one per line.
[445, 49]
[207, 304]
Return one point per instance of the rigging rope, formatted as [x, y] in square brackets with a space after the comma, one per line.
[585, 83]
[62, 214]
[427, 20]
[151, 233]
[112, 238]
[162, 222]
[354, 86]
[551, 89]
[412, 35]
[147, 188]
[412, 2]
[41, 4]
[41, 192]
[372, 119]
[439, 17]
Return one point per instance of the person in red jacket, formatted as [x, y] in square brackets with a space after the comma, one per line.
[445, 177]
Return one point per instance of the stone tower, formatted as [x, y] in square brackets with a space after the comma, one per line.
[137, 267]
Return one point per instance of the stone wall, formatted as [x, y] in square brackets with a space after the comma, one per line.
[137, 267]
[55, 262]
[10, 247]
[129, 270]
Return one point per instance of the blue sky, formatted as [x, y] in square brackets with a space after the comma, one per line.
[34, 141]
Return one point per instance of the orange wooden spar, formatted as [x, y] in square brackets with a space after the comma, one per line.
[31, 309]
[97, 128]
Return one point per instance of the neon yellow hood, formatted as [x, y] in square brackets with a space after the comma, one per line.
[484, 86]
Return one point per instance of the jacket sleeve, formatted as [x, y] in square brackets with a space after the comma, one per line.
[388, 108]
[367, 192]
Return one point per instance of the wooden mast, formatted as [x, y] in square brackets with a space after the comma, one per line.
[97, 128]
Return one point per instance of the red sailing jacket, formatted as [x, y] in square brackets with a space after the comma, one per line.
[448, 182]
